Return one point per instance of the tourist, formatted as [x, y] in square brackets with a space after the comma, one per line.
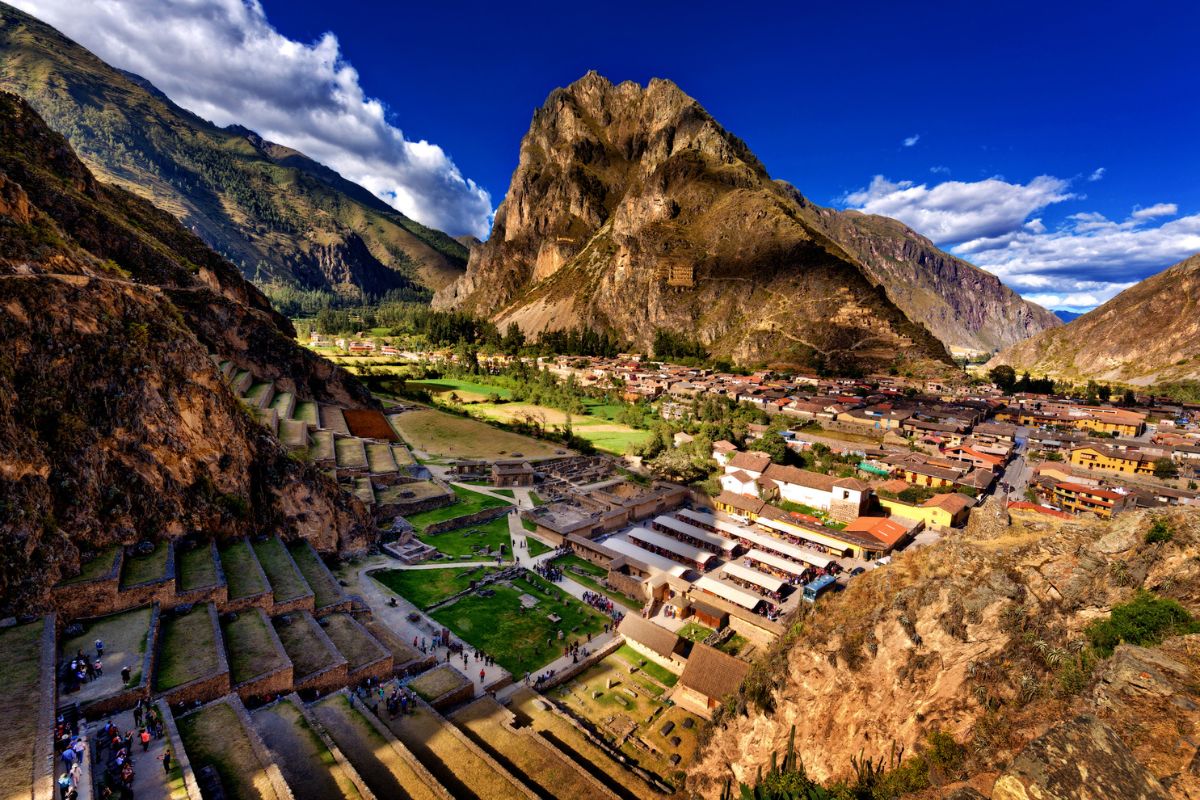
[481, 673]
[166, 759]
[99, 648]
[145, 737]
[126, 674]
[138, 712]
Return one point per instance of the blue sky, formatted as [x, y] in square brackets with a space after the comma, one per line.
[1052, 143]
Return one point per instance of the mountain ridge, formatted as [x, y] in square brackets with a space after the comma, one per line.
[276, 213]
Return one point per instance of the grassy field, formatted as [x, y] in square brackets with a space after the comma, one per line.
[656, 671]
[436, 682]
[350, 453]
[356, 645]
[307, 652]
[241, 571]
[467, 502]
[535, 546]
[521, 640]
[426, 587]
[196, 567]
[95, 567]
[466, 391]
[144, 568]
[605, 435]
[461, 544]
[249, 647]
[20, 674]
[695, 632]
[187, 649]
[326, 591]
[443, 435]
[286, 583]
[214, 735]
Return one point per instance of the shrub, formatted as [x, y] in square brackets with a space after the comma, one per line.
[1160, 531]
[1145, 619]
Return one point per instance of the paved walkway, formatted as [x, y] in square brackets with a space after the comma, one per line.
[149, 781]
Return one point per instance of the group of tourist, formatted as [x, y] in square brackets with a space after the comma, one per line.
[70, 749]
[548, 571]
[83, 668]
[399, 701]
[603, 604]
[117, 779]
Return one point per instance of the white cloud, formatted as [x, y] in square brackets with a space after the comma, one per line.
[955, 211]
[909, 141]
[1082, 262]
[940, 170]
[1097, 174]
[1156, 210]
[223, 60]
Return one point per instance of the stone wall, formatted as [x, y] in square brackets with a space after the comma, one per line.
[217, 593]
[43, 744]
[275, 682]
[190, 787]
[206, 687]
[93, 598]
[486, 515]
[575, 669]
[627, 585]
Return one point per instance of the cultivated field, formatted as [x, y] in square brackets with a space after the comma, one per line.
[605, 435]
[368, 424]
[443, 435]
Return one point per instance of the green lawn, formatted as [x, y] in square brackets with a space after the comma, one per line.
[504, 492]
[536, 499]
[468, 502]
[187, 649]
[326, 591]
[249, 647]
[95, 567]
[425, 587]
[144, 568]
[196, 567]
[520, 640]
[460, 544]
[572, 560]
[286, 583]
[466, 390]
[594, 573]
[656, 671]
[695, 632]
[535, 547]
[241, 570]
[528, 525]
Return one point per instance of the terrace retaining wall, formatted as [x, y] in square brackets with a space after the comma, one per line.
[217, 593]
[190, 786]
[43, 742]
[160, 590]
[342, 604]
[206, 687]
[264, 599]
[93, 598]
[416, 506]
[486, 515]
[333, 677]
[305, 602]
[277, 681]
[106, 706]
[565, 675]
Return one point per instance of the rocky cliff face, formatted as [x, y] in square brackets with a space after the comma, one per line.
[274, 212]
[962, 305]
[631, 209]
[114, 424]
[981, 636]
[1112, 342]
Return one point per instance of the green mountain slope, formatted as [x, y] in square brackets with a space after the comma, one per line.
[271, 210]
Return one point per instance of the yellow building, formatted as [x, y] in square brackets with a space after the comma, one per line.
[943, 510]
[1104, 458]
[1078, 499]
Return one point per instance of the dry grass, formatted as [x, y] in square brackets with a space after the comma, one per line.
[308, 653]
[249, 646]
[20, 672]
[187, 649]
[437, 681]
[357, 646]
[449, 436]
[214, 735]
[307, 764]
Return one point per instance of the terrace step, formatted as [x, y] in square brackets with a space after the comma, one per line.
[525, 752]
[308, 764]
[366, 657]
[244, 576]
[457, 762]
[332, 419]
[351, 452]
[226, 368]
[379, 458]
[289, 589]
[364, 490]
[284, 404]
[268, 418]
[322, 444]
[387, 766]
[241, 382]
[221, 735]
[306, 411]
[316, 663]
[293, 433]
[327, 593]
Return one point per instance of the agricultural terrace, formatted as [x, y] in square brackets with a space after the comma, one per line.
[187, 649]
[369, 424]
[214, 735]
[436, 682]
[196, 567]
[21, 674]
[355, 644]
[325, 589]
[350, 453]
[442, 435]
[143, 568]
[604, 434]
[308, 652]
[96, 566]
[306, 412]
[633, 709]
[305, 761]
[466, 502]
[427, 587]
[250, 646]
[521, 639]
[125, 637]
[473, 543]
[591, 575]
[242, 575]
[286, 583]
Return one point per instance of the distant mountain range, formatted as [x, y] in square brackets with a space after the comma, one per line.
[271, 210]
[1147, 334]
[1067, 316]
[633, 210]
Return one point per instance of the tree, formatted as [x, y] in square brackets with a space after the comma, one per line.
[773, 445]
[514, 338]
[1165, 468]
[1128, 398]
[1004, 377]
[1105, 392]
